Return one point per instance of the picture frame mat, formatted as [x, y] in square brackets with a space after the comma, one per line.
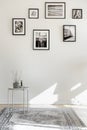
[63, 4]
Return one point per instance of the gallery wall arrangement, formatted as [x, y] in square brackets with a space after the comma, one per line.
[41, 37]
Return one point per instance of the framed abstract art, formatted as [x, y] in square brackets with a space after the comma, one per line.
[55, 10]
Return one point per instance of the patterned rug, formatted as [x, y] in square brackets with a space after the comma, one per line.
[57, 118]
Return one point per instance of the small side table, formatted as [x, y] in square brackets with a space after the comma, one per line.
[21, 89]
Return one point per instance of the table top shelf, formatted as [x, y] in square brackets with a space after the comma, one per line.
[19, 88]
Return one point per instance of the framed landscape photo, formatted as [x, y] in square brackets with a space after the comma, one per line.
[69, 33]
[55, 10]
[41, 39]
[18, 26]
[77, 13]
[33, 13]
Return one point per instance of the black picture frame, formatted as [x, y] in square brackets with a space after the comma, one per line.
[77, 13]
[41, 39]
[18, 26]
[69, 33]
[52, 10]
[33, 13]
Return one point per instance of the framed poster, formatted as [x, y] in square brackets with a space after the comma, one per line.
[69, 33]
[41, 39]
[18, 26]
[77, 13]
[33, 13]
[55, 10]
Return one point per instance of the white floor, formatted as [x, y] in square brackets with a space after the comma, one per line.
[82, 114]
[22, 127]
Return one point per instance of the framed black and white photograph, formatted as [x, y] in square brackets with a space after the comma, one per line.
[77, 13]
[33, 13]
[41, 39]
[69, 33]
[18, 26]
[55, 10]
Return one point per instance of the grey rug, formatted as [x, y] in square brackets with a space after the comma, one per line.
[57, 118]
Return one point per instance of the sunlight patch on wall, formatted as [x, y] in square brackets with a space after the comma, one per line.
[76, 87]
[46, 97]
[80, 99]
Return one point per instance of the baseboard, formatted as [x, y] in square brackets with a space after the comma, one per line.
[45, 105]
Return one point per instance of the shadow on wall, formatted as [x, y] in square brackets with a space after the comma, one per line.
[78, 93]
[72, 89]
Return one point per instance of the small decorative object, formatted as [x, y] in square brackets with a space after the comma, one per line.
[18, 26]
[21, 83]
[41, 39]
[33, 13]
[77, 13]
[69, 33]
[16, 84]
[55, 10]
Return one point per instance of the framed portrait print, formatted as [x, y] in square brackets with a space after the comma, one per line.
[41, 39]
[77, 13]
[55, 10]
[18, 26]
[33, 13]
[69, 33]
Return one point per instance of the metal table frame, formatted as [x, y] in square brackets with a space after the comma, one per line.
[21, 89]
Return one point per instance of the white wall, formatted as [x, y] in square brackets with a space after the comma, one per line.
[57, 76]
